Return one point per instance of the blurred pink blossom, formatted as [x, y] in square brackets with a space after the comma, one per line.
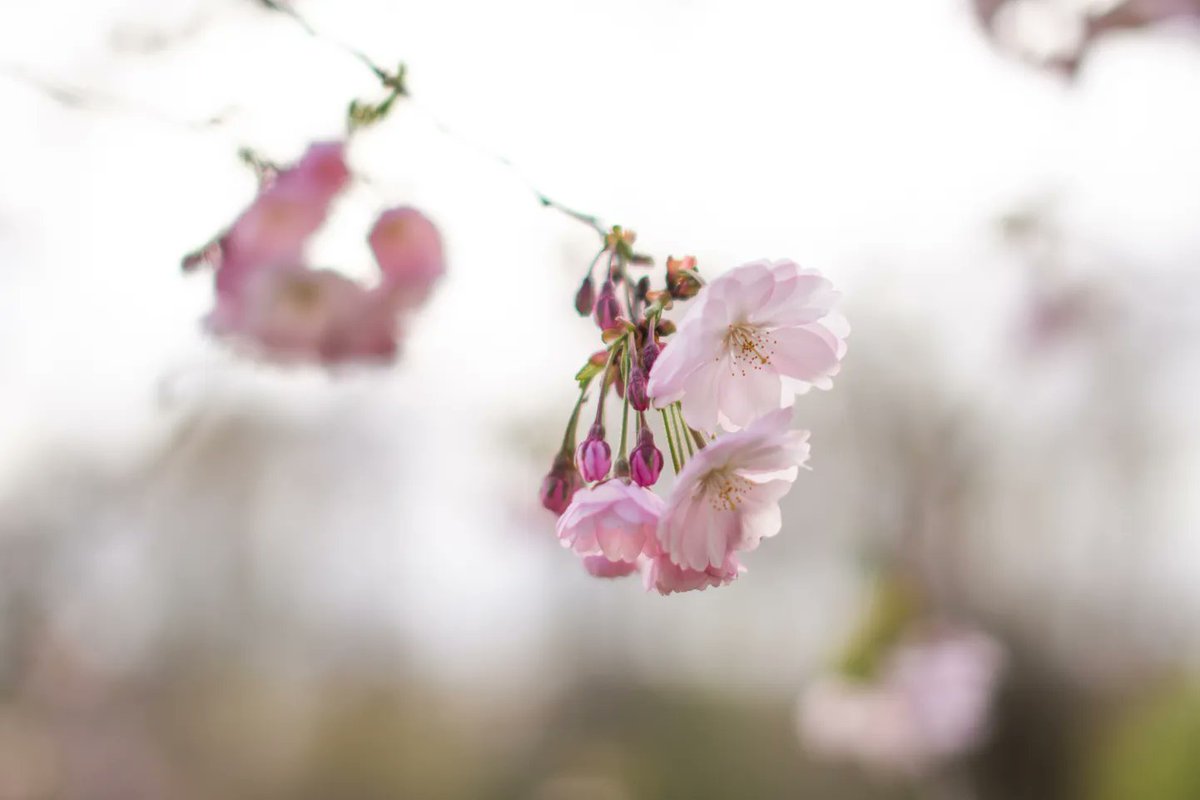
[756, 336]
[614, 519]
[408, 249]
[274, 230]
[272, 305]
[727, 497]
[930, 703]
[298, 314]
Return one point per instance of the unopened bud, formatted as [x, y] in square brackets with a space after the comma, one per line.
[608, 310]
[585, 298]
[650, 355]
[594, 457]
[642, 288]
[681, 279]
[560, 484]
[646, 460]
[637, 389]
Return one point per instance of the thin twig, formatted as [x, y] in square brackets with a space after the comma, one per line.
[78, 99]
[395, 82]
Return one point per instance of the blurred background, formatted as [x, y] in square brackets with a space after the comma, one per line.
[227, 580]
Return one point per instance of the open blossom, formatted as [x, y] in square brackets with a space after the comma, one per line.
[272, 304]
[756, 336]
[601, 567]
[273, 231]
[660, 574]
[299, 314]
[727, 497]
[614, 519]
[930, 703]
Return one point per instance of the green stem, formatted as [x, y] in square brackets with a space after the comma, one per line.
[679, 433]
[625, 409]
[670, 440]
[604, 382]
[568, 445]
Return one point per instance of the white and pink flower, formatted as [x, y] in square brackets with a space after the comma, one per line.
[408, 249]
[614, 519]
[755, 337]
[273, 231]
[727, 497]
[304, 315]
[601, 567]
[272, 304]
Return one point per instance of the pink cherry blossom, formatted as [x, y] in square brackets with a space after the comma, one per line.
[408, 249]
[755, 337]
[614, 519]
[727, 497]
[274, 230]
[600, 567]
[662, 575]
[300, 314]
[931, 703]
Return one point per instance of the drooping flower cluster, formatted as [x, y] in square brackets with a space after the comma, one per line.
[271, 303]
[721, 381]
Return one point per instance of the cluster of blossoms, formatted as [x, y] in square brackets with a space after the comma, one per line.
[722, 383]
[272, 304]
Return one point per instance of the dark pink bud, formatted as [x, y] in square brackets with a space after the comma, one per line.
[650, 355]
[560, 484]
[585, 298]
[643, 288]
[637, 389]
[607, 307]
[646, 460]
[594, 456]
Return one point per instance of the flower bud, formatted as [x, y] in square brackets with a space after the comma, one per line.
[650, 355]
[638, 398]
[560, 484]
[621, 468]
[681, 279]
[646, 460]
[585, 298]
[642, 289]
[607, 308]
[594, 456]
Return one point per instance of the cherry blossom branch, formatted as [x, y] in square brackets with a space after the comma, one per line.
[79, 99]
[362, 114]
